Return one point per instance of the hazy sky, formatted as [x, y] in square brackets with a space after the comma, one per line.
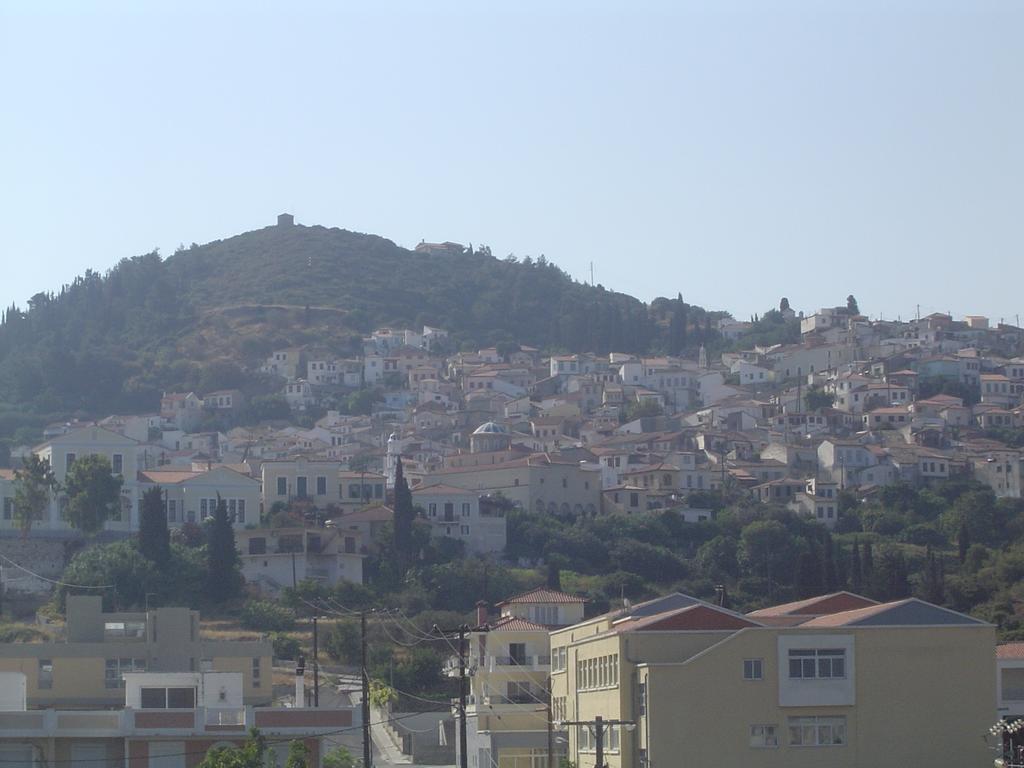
[734, 152]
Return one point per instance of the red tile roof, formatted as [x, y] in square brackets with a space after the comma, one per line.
[693, 618]
[543, 595]
[817, 606]
[516, 624]
[1010, 651]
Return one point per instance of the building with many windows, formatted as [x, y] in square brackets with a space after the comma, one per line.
[507, 717]
[85, 668]
[838, 680]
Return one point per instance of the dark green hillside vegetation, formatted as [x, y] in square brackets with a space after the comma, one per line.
[206, 316]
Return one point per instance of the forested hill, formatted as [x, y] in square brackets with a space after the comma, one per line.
[111, 342]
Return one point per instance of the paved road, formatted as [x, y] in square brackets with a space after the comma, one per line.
[353, 742]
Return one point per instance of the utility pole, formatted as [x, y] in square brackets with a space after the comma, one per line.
[367, 757]
[316, 665]
[551, 733]
[598, 724]
[461, 632]
[463, 749]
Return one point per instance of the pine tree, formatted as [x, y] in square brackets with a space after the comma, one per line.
[154, 537]
[222, 561]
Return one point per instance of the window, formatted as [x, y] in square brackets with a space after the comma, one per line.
[321, 486]
[203, 509]
[817, 731]
[353, 491]
[172, 511]
[465, 509]
[642, 708]
[241, 511]
[255, 671]
[753, 669]
[826, 663]
[8, 508]
[45, 680]
[465, 530]
[433, 509]
[300, 486]
[69, 459]
[135, 630]
[764, 736]
[114, 668]
[117, 464]
[282, 486]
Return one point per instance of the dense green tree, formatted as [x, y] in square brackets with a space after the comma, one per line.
[252, 754]
[963, 541]
[34, 485]
[851, 305]
[856, 569]
[298, 755]
[154, 535]
[93, 493]
[339, 757]
[222, 567]
[816, 398]
[405, 515]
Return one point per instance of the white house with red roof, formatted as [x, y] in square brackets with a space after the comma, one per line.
[510, 659]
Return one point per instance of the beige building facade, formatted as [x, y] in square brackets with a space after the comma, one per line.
[856, 684]
[85, 669]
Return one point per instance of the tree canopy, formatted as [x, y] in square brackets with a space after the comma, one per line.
[93, 493]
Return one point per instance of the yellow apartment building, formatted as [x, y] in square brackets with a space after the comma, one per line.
[834, 681]
[85, 669]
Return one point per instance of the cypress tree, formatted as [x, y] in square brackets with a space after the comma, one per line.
[404, 516]
[830, 577]
[868, 566]
[222, 563]
[154, 537]
[963, 541]
[809, 572]
[856, 572]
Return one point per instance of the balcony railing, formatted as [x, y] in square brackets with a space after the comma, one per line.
[536, 663]
[128, 722]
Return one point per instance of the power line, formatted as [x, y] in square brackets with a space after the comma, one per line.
[271, 741]
[54, 581]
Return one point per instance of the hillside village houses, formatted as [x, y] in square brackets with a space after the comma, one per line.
[575, 434]
[856, 405]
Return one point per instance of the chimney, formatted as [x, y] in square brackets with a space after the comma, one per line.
[481, 613]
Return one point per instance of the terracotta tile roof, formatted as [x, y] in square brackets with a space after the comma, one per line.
[693, 618]
[817, 606]
[1010, 651]
[167, 477]
[448, 490]
[516, 624]
[543, 595]
[6, 474]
